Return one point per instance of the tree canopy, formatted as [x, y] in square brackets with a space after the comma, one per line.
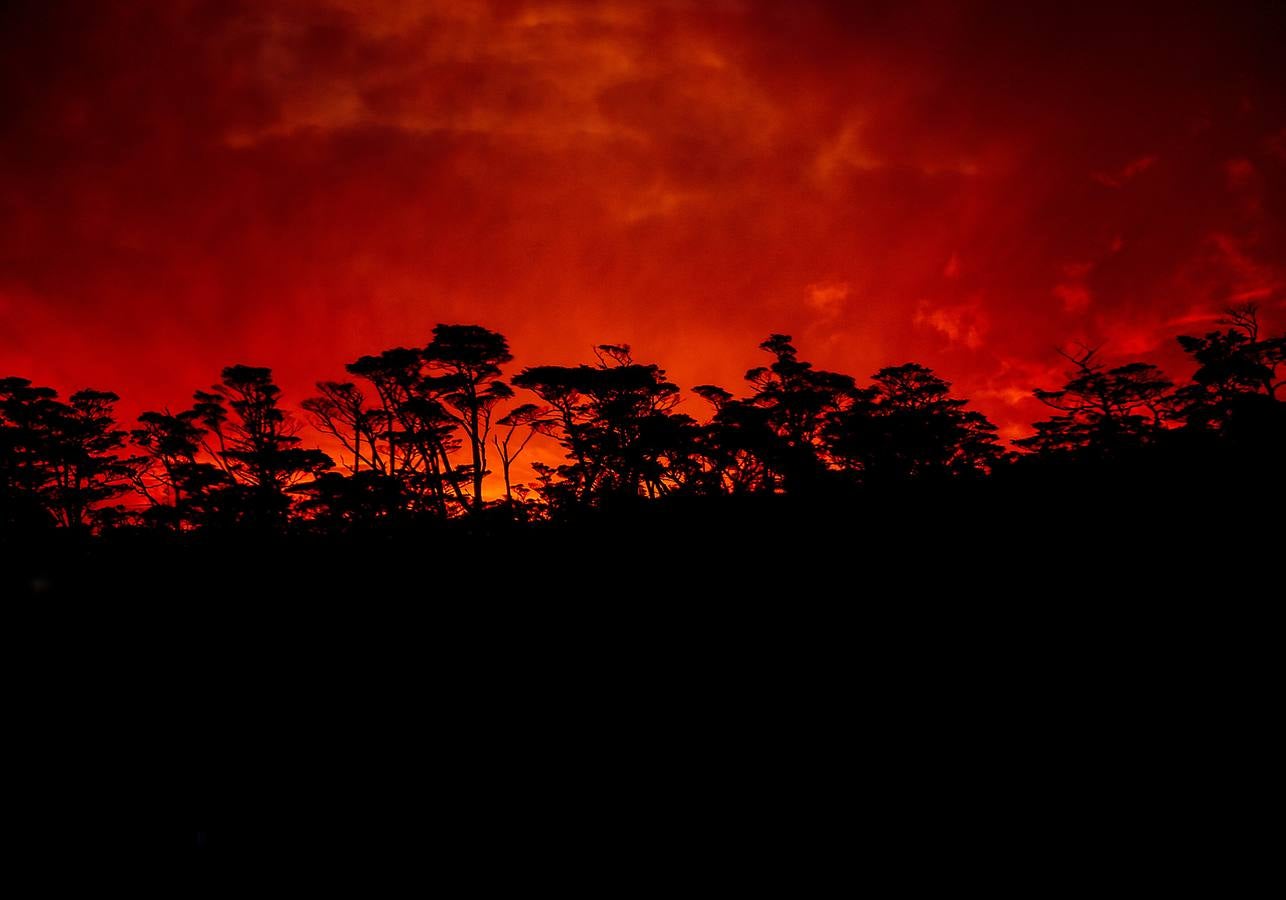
[417, 432]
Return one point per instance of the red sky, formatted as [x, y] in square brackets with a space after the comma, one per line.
[294, 183]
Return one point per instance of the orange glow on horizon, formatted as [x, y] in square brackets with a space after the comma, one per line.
[188, 185]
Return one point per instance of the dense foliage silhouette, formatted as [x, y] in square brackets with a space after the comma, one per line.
[414, 437]
[825, 577]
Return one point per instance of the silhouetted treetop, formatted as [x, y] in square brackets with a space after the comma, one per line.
[59, 462]
[906, 426]
[1105, 411]
[1238, 377]
[468, 358]
[410, 438]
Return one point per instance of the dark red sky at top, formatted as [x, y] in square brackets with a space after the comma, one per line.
[294, 183]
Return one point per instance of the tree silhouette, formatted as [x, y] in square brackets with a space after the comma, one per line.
[771, 441]
[258, 443]
[188, 486]
[1237, 376]
[907, 426]
[468, 358]
[340, 410]
[414, 445]
[735, 444]
[616, 422]
[528, 419]
[416, 432]
[1105, 411]
[59, 458]
[362, 500]
[23, 408]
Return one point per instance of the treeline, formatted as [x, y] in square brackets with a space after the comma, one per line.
[417, 431]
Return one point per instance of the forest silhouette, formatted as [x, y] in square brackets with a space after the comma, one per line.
[221, 582]
[417, 431]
